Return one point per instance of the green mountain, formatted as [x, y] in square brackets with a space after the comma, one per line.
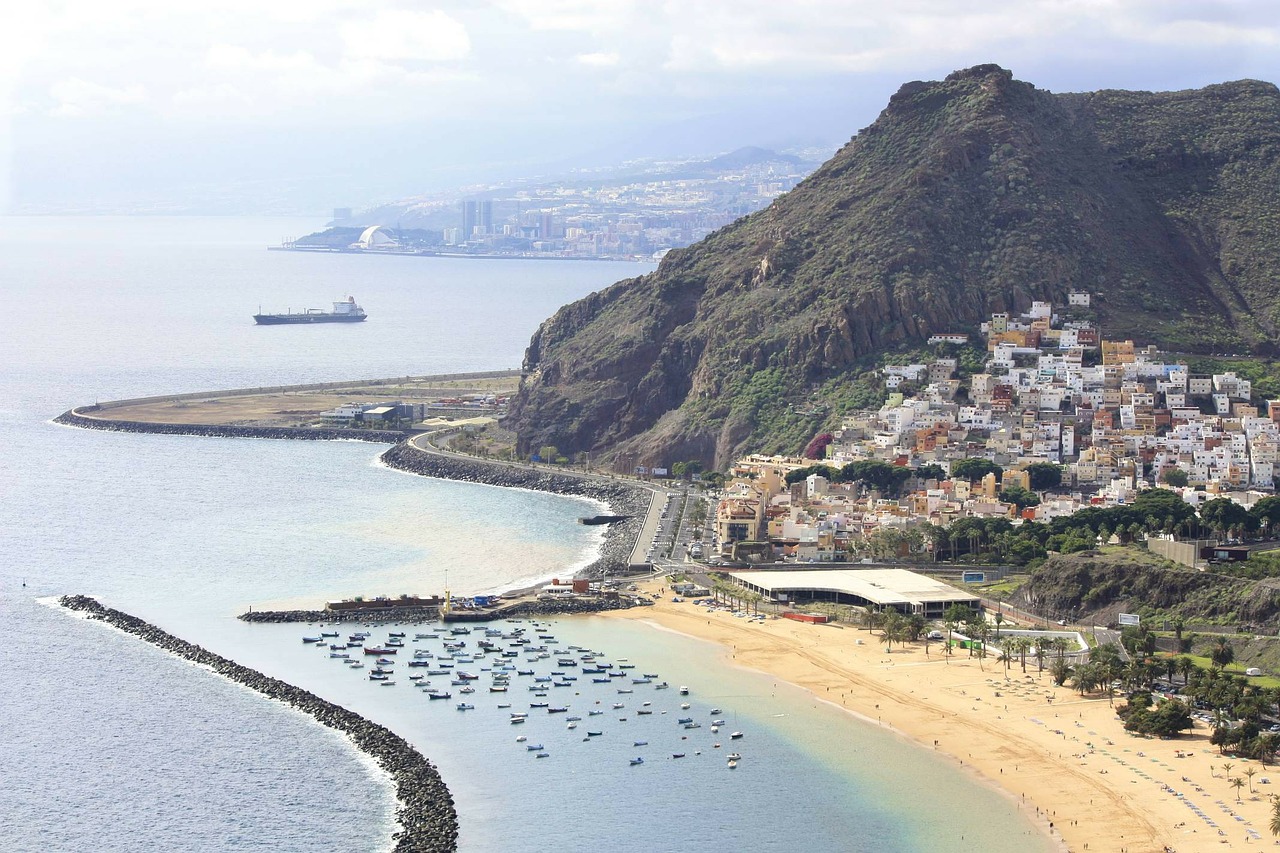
[974, 194]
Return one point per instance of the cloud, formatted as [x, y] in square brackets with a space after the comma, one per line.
[593, 16]
[598, 60]
[406, 35]
[75, 98]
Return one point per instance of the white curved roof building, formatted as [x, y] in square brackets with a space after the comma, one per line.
[375, 237]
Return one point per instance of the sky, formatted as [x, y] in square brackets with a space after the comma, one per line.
[298, 106]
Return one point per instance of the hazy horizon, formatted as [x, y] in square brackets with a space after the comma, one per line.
[298, 107]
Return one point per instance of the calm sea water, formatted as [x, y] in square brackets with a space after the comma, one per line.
[110, 743]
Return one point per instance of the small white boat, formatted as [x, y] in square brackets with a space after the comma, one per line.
[684, 691]
[637, 760]
[684, 706]
[466, 706]
[732, 764]
[735, 736]
[521, 739]
[734, 756]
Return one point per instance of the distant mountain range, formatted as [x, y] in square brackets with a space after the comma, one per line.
[973, 194]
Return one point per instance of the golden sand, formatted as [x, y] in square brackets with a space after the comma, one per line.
[1067, 756]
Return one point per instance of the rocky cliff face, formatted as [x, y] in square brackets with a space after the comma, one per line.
[974, 194]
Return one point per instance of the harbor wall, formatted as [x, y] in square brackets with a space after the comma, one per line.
[426, 814]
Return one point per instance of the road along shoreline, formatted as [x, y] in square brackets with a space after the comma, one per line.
[425, 811]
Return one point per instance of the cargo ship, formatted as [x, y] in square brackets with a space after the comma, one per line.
[343, 312]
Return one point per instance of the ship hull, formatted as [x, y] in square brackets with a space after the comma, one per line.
[305, 319]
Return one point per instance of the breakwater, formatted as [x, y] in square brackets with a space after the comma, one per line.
[418, 615]
[407, 615]
[623, 498]
[76, 419]
[426, 814]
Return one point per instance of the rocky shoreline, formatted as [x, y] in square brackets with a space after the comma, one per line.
[426, 814]
[379, 436]
[623, 498]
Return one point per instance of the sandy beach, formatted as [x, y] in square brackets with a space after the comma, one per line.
[1067, 758]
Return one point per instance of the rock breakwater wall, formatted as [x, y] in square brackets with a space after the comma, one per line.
[573, 605]
[382, 614]
[621, 497]
[76, 419]
[427, 817]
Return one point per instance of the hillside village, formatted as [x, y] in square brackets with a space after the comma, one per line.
[1058, 420]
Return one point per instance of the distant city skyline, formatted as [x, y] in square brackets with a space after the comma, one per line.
[298, 107]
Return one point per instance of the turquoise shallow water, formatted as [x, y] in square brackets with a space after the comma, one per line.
[113, 741]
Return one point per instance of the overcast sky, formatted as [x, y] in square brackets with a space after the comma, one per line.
[300, 105]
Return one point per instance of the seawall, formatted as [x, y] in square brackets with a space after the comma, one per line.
[426, 814]
[622, 498]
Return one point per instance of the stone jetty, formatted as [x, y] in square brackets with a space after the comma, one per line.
[623, 498]
[426, 814]
[399, 615]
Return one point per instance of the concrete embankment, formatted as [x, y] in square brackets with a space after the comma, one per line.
[622, 498]
[77, 418]
[428, 820]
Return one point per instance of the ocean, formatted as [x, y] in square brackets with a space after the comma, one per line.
[110, 743]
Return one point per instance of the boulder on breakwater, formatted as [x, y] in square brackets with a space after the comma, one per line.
[427, 817]
[622, 497]
[379, 436]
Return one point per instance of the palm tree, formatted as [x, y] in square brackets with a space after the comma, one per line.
[1005, 657]
[1237, 783]
[1226, 769]
[954, 615]
[1250, 772]
[1060, 671]
[1275, 815]
[1086, 678]
[1186, 666]
[1223, 653]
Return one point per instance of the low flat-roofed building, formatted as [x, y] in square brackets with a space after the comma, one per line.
[899, 589]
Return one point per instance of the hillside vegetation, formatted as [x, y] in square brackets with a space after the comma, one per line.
[974, 194]
[1093, 587]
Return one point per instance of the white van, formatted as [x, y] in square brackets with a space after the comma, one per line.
[1253, 670]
